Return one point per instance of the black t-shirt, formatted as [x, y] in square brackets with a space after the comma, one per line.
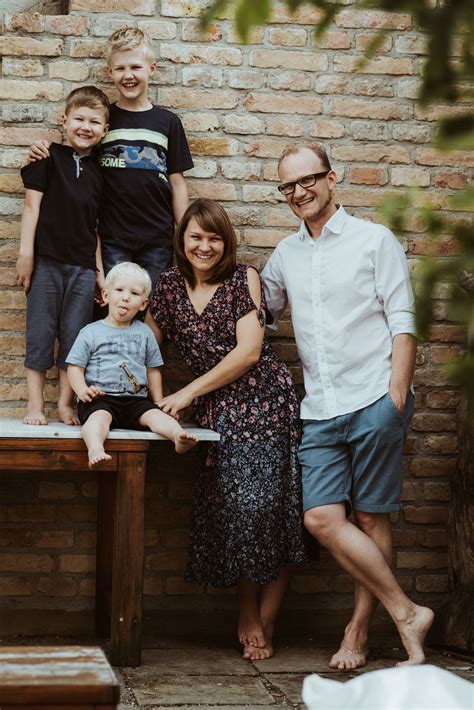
[71, 184]
[139, 152]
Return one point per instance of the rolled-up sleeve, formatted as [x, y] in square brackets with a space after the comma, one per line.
[393, 285]
[274, 289]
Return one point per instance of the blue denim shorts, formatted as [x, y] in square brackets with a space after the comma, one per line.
[59, 303]
[356, 458]
[155, 258]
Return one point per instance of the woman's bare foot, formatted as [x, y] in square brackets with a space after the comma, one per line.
[35, 417]
[252, 653]
[97, 456]
[184, 441]
[413, 632]
[250, 632]
[346, 658]
[68, 415]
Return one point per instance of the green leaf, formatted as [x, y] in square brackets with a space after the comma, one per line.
[250, 13]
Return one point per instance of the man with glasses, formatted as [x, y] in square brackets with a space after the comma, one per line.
[347, 284]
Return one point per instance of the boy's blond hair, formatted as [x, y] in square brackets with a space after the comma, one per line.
[89, 96]
[129, 38]
[128, 268]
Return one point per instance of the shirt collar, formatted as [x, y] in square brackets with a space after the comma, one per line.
[334, 225]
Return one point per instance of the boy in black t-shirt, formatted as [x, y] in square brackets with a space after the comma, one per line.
[143, 158]
[59, 255]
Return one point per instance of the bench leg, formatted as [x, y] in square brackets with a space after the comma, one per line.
[128, 559]
[107, 483]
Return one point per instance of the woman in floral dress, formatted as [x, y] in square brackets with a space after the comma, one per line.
[247, 521]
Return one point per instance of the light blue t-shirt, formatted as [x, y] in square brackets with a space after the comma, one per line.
[116, 359]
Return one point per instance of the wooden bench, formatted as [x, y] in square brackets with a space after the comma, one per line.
[56, 677]
[120, 515]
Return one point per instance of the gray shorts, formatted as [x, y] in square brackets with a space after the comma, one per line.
[59, 303]
[356, 458]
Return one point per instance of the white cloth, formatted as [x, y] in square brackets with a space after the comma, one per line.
[405, 688]
[349, 292]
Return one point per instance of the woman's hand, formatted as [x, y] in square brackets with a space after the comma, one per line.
[174, 403]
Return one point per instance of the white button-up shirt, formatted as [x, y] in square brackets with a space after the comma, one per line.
[350, 294]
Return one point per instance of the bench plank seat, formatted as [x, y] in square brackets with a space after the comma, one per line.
[120, 514]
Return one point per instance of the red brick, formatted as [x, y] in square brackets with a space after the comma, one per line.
[419, 560]
[15, 537]
[57, 586]
[14, 586]
[310, 584]
[383, 110]
[166, 561]
[28, 46]
[404, 538]
[56, 490]
[55, 538]
[33, 513]
[435, 538]
[373, 19]
[428, 467]
[451, 180]
[26, 563]
[176, 586]
[25, 22]
[444, 399]
[441, 354]
[67, 24]
[426, 514]
[77, 513]
[432, 583]
[447, 333]
[137, 7]
[368, 176]
[76, 563]
[442, 444]
[433, 422]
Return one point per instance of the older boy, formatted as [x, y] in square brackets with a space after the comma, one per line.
[114, 368]
[143, 160]
[59, 251]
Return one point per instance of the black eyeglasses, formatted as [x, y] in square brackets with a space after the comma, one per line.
[288, 188]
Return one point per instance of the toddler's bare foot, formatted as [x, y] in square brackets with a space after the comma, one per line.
[97, 456]
[68, 415]
[413, 632]
[34, 417]
[347, 658]
[184, 441]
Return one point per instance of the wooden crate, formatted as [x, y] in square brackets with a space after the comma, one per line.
[56, 678]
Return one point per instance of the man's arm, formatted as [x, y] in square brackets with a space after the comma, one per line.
[403, 367]
[29, 221]
[274, 289]
[179, 195]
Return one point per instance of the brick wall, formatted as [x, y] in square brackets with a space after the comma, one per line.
[240, 105]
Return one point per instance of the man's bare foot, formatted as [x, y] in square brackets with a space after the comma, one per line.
[68, 415]
[184, 441]
[97, 456]
[413, 632]
[35, 417]
[346, 659]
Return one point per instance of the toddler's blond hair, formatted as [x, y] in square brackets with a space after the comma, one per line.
[128, 268]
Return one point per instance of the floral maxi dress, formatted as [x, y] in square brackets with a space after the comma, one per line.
[247, 514]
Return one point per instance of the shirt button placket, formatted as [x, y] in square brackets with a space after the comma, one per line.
[318, 324]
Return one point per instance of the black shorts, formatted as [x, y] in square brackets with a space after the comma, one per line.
[125, 411]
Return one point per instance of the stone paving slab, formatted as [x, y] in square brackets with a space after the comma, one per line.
[201, 690]
[203, 661]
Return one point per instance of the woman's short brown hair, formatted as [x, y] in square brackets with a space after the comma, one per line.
[212, 218]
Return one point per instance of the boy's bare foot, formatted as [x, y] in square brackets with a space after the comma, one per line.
[346, 659]
[413, 632]
[184, 441]
[68, 415]
[35, 417]
[97, 456]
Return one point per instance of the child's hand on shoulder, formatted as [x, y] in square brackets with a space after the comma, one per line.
[24, 269]
[38, 151]
[88, 394]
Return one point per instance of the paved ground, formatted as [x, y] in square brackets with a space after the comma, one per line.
[195, 673]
